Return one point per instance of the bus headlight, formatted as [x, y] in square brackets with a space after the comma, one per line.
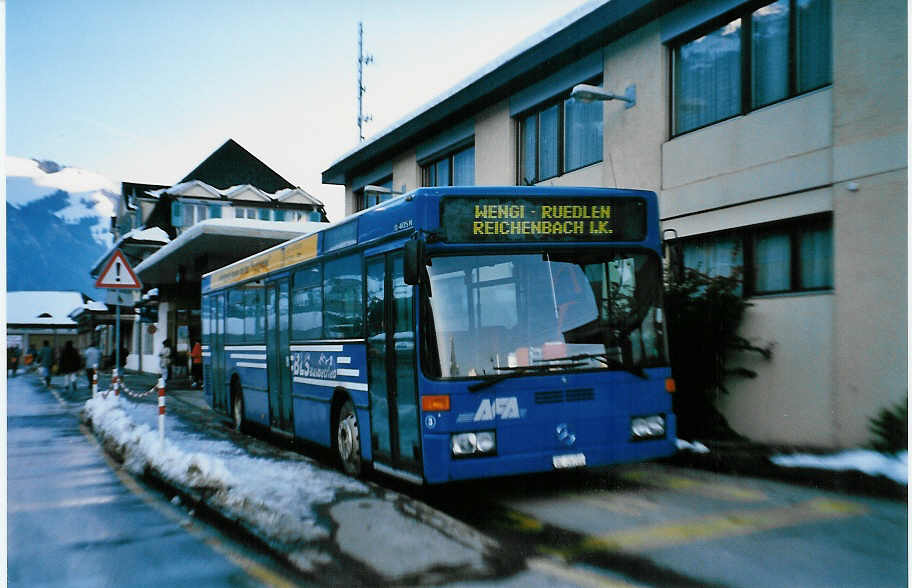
[468, 444]
[647, 427]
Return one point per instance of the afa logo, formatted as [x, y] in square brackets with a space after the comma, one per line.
[505, 408]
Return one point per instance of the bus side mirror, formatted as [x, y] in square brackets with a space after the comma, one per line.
[414, 256]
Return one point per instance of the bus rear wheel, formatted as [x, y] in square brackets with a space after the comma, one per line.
[348, 440]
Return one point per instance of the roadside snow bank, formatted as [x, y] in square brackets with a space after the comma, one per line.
[276, 496]
[895, 467]
[696, 446]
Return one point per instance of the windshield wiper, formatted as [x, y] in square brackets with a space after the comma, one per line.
[521, 370]
[605, 359]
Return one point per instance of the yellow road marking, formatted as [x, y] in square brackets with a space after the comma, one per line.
[720, 526]
[575, 575]
[625, 503]
[682, 483]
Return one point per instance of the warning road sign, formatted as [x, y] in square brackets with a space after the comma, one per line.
[117, 273]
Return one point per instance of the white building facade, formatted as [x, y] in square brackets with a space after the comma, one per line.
[775, 134]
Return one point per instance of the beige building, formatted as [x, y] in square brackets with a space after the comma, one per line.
[775, 135]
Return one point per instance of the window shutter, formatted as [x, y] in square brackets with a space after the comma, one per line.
[177, 216]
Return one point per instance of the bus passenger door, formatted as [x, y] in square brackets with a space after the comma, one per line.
[279, 373]
[391, 364]
[217, 316]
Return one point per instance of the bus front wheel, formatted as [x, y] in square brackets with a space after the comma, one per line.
[348, 439]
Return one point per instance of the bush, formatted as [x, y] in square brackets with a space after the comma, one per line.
[890, 428]
[704, 315]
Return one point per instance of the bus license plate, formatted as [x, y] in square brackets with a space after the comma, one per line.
[574, 460]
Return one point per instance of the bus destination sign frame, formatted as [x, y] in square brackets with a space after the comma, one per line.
[504, 219]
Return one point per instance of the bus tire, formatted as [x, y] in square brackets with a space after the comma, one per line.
[347, 440]
[237, 410]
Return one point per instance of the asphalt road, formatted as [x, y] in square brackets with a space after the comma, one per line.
[658, 525]
[74, 519]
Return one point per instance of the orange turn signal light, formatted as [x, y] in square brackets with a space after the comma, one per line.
[670, 385]
[435, 403]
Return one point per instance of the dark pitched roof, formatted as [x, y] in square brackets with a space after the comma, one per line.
[232, 165]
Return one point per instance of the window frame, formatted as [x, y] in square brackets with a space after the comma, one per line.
[450, 156]
[361, 194]
[744, 13]
[746, 238]
[560, 100]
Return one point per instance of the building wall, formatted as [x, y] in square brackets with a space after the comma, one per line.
[839, 356]
[495, 146]
[871, 227]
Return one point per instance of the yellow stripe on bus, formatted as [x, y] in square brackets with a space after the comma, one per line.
[265, 262]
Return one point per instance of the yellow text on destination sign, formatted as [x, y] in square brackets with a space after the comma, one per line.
[545, 219]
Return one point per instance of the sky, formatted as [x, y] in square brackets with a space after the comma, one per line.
[144, 90]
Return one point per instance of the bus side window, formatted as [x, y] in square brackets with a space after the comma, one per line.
[307, 304]
[235, 324]
[342, 311]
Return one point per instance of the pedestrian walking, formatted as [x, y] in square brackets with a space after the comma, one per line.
[196, 365]
[164, 359]
[46, 362]
[70, 362]
[12, 359]
[93, 360]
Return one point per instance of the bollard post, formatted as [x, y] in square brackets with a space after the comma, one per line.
[115, 383]
[95, 383]
[161, 410]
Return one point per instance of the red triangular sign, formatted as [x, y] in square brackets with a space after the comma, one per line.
[118, 274]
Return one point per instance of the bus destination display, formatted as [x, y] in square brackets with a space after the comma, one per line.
[543, 219]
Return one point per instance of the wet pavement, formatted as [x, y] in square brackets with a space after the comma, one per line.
[73, 521]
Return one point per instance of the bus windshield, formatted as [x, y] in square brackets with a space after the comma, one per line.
[553, 310]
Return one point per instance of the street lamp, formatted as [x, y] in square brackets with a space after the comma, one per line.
[588, 93]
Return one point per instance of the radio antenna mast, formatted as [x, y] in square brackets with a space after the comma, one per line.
[362, 61]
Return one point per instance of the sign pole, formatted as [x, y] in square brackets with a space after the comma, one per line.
[117, 339]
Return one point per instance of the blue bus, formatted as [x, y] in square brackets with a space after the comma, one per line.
[454, 333]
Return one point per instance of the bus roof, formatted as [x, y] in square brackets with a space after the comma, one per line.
[401, 215]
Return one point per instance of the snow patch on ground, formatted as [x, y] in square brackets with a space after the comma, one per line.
[276, 496]
[895, 467]
[696, 446]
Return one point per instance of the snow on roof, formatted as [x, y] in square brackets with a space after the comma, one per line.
[230, 192]
[287, 193]
[151, 234]
[28, 306]
[154, 234]
[231, 226]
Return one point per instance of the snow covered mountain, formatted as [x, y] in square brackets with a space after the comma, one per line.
[57, 224]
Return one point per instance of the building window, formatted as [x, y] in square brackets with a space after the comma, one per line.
[454, 169]
[790, 256]
[559, 137]
[367, 198]
[754, 59]
[258, 213]
[194, 213]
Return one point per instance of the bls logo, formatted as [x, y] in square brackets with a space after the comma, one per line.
[505, 408]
